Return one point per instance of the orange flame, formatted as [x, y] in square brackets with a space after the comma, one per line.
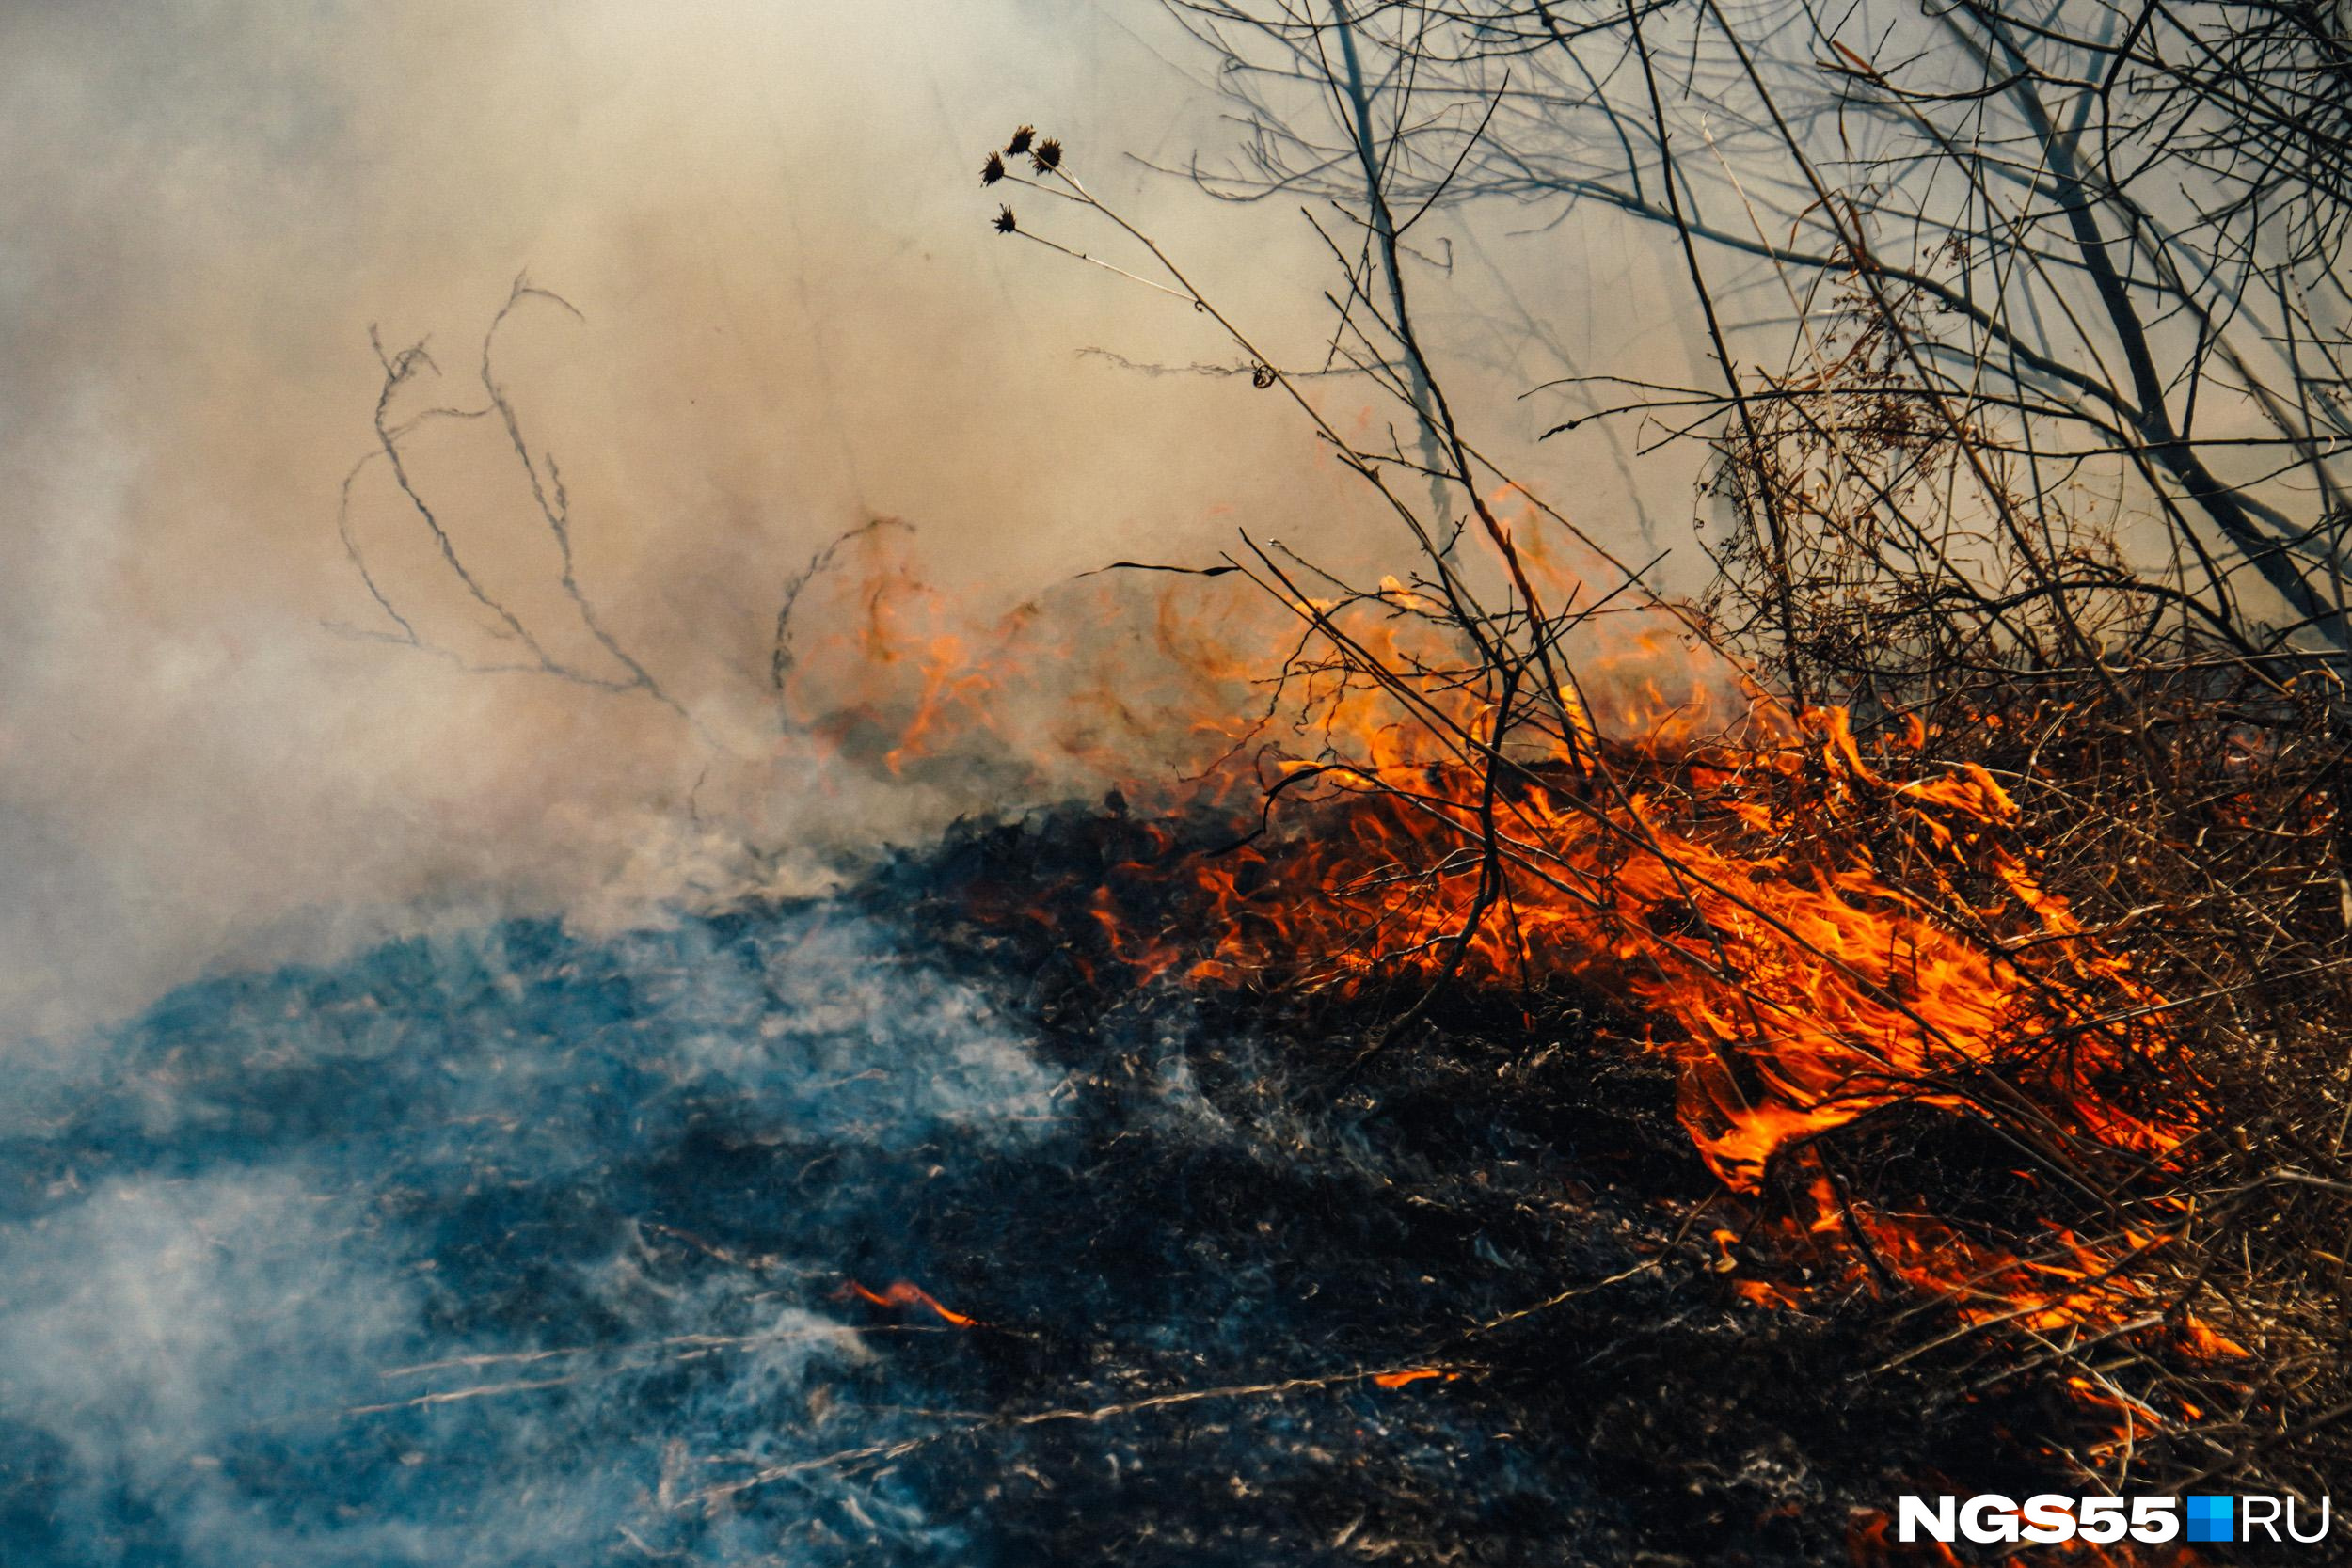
[903, 1294]
[1812, 934]
[1411, 1375]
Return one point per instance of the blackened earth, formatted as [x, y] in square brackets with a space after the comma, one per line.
[519, 1247]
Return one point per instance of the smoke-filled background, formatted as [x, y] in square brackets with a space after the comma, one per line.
[413, 1148]
[794, 317]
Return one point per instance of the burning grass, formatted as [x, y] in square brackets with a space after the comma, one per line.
[1926, 1062]
[1982, 836]
[1983, 985]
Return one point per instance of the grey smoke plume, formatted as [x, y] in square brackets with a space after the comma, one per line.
[347, 1267]
[792, 317]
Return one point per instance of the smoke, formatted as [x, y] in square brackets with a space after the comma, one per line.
[789, 316]
[346, 1266]
[513, 1246]
[792, 316]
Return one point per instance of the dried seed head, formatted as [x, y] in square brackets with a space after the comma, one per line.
[991, 171]
[1047, 156]
[1020, 142]
[1006, 222]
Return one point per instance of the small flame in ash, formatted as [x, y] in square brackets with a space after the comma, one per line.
[1411, 1375]
[902, 1294]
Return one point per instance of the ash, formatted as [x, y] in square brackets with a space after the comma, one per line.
[524, 1248]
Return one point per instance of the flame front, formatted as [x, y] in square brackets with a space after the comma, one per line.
[1796, 987]
[1810, 929]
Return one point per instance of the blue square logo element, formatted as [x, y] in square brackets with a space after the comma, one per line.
[2209, 1518]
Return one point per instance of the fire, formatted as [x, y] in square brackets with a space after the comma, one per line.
[1411, 1375]
[1796, 987]
[1812, 930]
[903, 1294]
[878, 669]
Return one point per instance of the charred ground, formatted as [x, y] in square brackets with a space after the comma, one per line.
[523, 1246]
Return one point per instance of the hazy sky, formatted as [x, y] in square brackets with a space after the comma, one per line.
[794, 314]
